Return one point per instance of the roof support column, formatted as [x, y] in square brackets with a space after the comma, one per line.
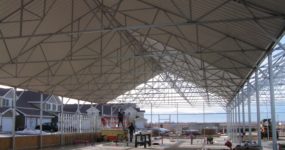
[14, 118]
[41, 121]
[234, 125]
[150, 114]
[102, 110]
[236, 122]
[239, 127]
[272, 102]
[78, 118]
[231, 124]
[257, 108]
[176, 122]
[243, 113]
[249, 111]
[61, 123]
[112, 119]
[228, 120]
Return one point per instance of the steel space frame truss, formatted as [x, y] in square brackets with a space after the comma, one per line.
[186, 72]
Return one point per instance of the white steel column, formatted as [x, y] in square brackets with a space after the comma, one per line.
[14, 118]
[102, 109]
[78, 117]
[150, 114]
[236, 121]
[239, 127]
[177, 123]
[249, 110]
[272, 102]
[232, 123]
[257, 108]
[204, 122]
[112, 119]
[61, 122]
[177, 114]
[228, 120]
[243, 113]
[41, 121]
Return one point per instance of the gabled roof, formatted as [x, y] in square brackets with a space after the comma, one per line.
[72, 108]
[24, 104]
[3, 91]
[29, 96]
[3, 109]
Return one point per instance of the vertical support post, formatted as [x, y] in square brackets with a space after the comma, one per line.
[61, 122]
[177, 114]
[41, 121]
[102, 109]
[243, 113]
[78, 117]
[236, 120]
[232, 122]
[272, 102]
[150, 114]
[14, 117]
[112, 119]
[204, 136]
[249, 110]
[228, 120]
[257, 108]
[239, 127]
[227, 125]
[177, 123]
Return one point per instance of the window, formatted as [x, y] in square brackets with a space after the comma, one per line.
[54, 107]
[48, 106]
[6, 102]
[51, 107]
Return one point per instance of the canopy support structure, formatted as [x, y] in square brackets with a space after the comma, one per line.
[272, 102]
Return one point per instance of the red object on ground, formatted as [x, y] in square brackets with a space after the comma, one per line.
[229, 144]
[112, 138]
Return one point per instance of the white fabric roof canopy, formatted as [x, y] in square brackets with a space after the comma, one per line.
[97, 50]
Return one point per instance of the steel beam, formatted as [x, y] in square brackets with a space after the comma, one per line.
[14, 118]
[62, 141]
[243, 112]
[239, 127]
[41, 120]
[257, 108]
[249, 110]
[272, 102]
